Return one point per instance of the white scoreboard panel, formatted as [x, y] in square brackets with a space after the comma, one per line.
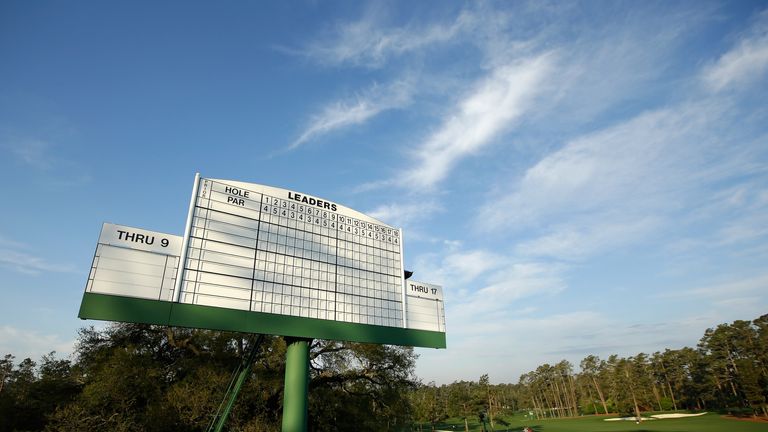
[264, 249]
[425, 306]
[134, 262]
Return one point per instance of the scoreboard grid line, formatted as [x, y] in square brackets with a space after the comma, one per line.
[194, 216]
[255, 256]
[336, 278]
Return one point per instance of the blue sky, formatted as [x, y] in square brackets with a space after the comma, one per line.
[582, 178]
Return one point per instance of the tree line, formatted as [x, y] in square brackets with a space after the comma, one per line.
[727, 371]
[132, 377]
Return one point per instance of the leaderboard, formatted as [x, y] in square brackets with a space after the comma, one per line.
[264, 249]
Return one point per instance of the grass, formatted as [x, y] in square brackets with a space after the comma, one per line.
[705, 423]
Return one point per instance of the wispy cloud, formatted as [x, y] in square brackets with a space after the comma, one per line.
[31, 152]
[490, 108]
[737, 214]
[355, 111]
[24, 343]
[628, 183]
[44, 153]
[509, 344]
[405, 213]
[459, 267]
[581, 238]
[13, 255]
[750, 227]
[625, 172]
[514, 342]
[746, 62]
[739, 287]
[490, 302]
[484, 281]
[516, 281]
[531, 78]
[8, 243]
[370, 44]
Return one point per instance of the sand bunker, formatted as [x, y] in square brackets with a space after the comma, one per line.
[676, 415]
[629, 419]
[655, 417]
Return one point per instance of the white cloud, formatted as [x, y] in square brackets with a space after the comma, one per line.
[481, 281]
[516, 281]
[747, 208]
[366, 43]
[405, 213]
[746, 62]
[625, 172]
[741, 287]
[748, 306]
[508, 344]
[751, 227]
[33, 152]
[604, 67]
[579, 239]
[626, 184]
[527, 77]
[44, 156]
[25, 262]
[490, 108]
[459, 267]
[736, 218]
[358, 110]
[6, 242]
[24, 343]
[514, 342]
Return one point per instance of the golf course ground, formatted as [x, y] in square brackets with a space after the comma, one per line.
[710, 422]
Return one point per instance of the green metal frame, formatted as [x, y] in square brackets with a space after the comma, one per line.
[238, 379]
[129, 309]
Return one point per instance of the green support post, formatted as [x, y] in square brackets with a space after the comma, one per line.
[295, 397]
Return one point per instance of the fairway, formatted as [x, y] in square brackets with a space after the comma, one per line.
[706, 423]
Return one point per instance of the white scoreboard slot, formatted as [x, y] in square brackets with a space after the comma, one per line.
[426, 310]
[134, 262]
